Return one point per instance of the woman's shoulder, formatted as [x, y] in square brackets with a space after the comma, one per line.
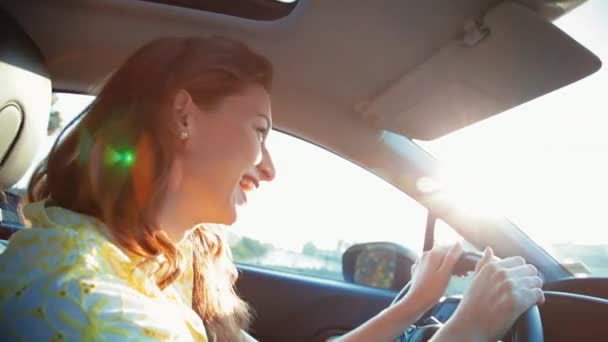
[64, 276]
[59, 240]
[75, 303]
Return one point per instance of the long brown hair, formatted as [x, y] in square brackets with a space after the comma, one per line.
[114, 163]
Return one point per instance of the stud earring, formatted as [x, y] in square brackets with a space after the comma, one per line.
[183, 135]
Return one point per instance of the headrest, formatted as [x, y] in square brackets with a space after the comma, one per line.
[25, 100]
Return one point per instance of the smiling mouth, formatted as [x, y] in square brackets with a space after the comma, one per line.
[248, 183]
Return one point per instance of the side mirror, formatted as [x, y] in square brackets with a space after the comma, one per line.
[384, 265]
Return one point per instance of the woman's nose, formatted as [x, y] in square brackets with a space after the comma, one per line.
[266, 167]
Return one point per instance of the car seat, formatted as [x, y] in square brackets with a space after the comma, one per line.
[25, 104]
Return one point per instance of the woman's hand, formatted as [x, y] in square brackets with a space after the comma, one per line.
[501, 291]
[430, 277]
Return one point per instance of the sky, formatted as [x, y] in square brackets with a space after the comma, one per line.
[543, 164]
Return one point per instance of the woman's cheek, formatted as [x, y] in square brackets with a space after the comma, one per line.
[259, 155]
[254, 148]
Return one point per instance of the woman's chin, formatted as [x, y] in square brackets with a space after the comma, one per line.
[230, 214]
[231, 218]
[224, 215]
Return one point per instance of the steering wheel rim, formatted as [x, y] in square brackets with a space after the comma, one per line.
[527, 328]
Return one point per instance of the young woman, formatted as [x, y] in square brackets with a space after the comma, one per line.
[118, 249]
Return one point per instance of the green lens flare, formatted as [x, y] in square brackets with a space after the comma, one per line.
[125, 158]
[128, 158]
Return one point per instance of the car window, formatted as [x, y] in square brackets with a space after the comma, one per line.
[318, 205]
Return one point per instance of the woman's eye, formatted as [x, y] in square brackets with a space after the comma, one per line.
[261, 133]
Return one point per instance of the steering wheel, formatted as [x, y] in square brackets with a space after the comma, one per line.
[527, 328]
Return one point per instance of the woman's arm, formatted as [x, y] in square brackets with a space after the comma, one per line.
[430, 278]
[501, 291]
[388, 324]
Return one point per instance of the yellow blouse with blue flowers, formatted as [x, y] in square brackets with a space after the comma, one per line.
[64, 280]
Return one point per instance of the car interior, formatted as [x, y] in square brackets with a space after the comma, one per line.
[24, 110]
[347, 72]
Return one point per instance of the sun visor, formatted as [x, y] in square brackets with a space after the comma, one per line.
[508, 58]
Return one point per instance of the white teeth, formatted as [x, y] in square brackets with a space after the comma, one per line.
[247, 184]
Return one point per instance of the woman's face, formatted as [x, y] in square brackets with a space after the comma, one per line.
[223, 157]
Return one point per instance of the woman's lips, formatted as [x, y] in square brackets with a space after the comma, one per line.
[248, 183]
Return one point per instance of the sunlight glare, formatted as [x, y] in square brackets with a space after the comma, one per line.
[543, 163]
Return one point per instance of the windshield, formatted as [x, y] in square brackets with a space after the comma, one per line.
[544, 163]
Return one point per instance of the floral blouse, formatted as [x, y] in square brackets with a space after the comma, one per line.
[64, 280]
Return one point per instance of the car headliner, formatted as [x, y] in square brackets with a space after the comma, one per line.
[329, 56]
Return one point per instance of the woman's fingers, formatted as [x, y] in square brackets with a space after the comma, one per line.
[532, 287]
[511, 262]
[487, 257]
[531, 282]
[432, 272]
[436, 255]
[442, 258]
[522, 271]
[538, 296]
[451, 258]
[529, 298]
[432, 259]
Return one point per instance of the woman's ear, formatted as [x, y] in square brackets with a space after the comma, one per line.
[182, 111]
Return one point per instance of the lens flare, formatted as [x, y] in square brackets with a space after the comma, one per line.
[124, 157]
